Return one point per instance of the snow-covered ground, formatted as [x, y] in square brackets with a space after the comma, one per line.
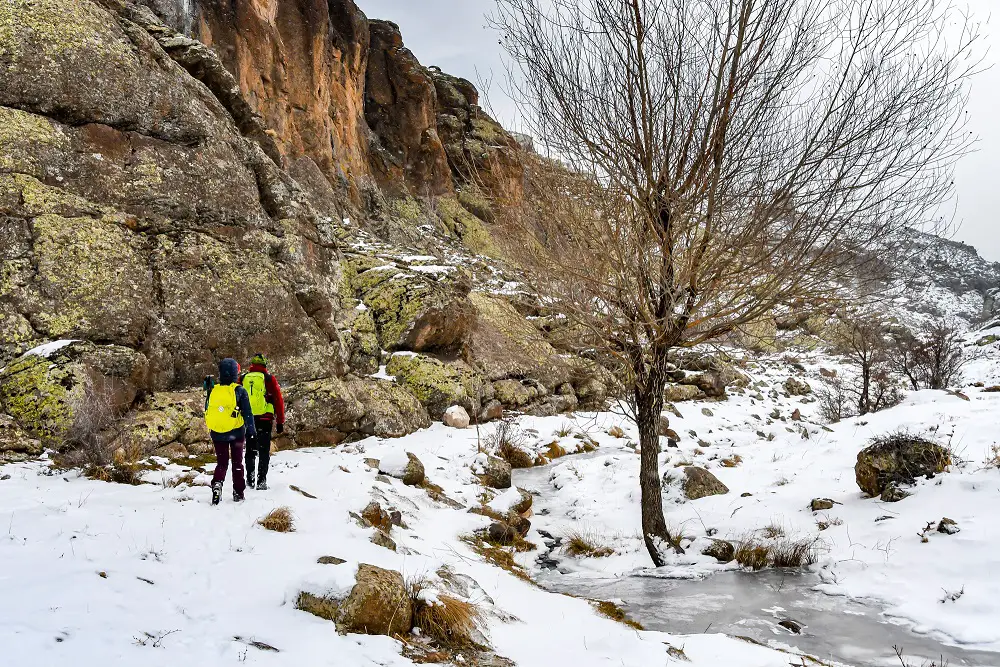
[102, 574]
[867, 549]
[96, 574]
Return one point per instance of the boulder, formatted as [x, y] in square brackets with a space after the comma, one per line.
[45, 391]
[711, 383]
[503, 344]
[456, 417]
[164, 419]
[797, 387]
[378, 604]
[664, 427]
[898, 459]
[699, 483]
[402, 466]
[15, 444]
[439, 385]
[721, 550]
[519, 523]
[327, 412]
[377, 517]
[493, 472]
[502, 533]
[677, 393]
[416, 311]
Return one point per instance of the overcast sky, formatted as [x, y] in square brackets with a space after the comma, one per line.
[453, 35]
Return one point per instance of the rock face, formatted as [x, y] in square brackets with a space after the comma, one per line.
[898, 459]
[699, 483]
[174, 182]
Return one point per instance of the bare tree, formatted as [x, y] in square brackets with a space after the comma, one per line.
[722, 157]
[933, 358]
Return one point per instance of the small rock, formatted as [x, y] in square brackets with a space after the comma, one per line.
[720, 550]
[745, 494]
[372, 463]
[330, 560]
[792, 626]
[501, 532]
[524, 506]
[796, 387]
[820, 504]
[382, 539]
[456, 417]
[4, 478]
[700, 483]
[884, 517]
[377, 517]
[707, 412]
[948, 526]
[412, 474]
[828, 373]
[494, 472]
[893, 494]
[796, 415]
[518, 523]
[396, 518]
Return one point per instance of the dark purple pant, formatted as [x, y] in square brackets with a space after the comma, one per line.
[224, 452]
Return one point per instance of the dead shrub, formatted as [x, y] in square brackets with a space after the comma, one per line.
[616, 613]
[586, 544]
[993, 458]
[280, 520]
[616, 432]
[797, 553]
[507, 441]
[772, 531]
[555, 451]
[564, 431]
[448, 620]
[755, 555]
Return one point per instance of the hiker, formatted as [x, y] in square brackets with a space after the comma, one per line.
[230, 420]
[268, 407]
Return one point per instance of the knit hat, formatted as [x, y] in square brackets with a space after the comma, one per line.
[259, 360]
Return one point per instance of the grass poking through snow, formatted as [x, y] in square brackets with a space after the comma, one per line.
[280, 520]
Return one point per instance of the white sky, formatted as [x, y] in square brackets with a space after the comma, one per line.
[453, 35]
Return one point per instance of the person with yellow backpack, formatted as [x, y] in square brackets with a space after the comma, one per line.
[268, 407]
[229, 418]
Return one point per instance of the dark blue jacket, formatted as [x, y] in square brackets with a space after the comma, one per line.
[229, 372]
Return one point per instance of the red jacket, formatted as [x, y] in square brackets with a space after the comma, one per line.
[272, 394]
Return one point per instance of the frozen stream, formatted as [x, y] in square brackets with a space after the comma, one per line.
[735, 603]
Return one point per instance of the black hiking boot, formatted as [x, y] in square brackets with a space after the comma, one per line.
[216, 493]
[237, 497]
[262, 484]
[250, 483]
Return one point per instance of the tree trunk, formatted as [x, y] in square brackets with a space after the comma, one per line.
[648, 405]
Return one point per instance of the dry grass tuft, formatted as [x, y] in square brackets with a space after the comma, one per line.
[731, 461]
[499, 556]
[564, 431]
[586, 544]
[280, 520]
[616, 613]
[555, 451]
[756, 555]
[993, 458]
[448, 620]
[616, 432]
[827, 523]
[772, 531]
[507, 442]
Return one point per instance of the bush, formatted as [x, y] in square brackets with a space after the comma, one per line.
[507, 441]
[280, 520]
[756, 555]
[448, 620]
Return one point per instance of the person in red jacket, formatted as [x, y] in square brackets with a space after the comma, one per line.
[268, 407]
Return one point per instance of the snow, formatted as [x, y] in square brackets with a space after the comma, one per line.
[48, 349]
[104, 574]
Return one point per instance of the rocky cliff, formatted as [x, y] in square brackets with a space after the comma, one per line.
[182, 181]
